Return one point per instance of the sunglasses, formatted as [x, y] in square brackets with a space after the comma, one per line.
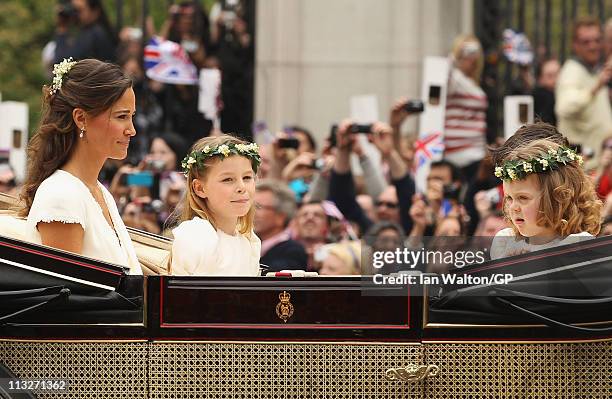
[390, 205]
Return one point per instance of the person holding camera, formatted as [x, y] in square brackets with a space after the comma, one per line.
[188, 25]
[232, 37]
[275, 207]
[441, 199]
[582, 99]
[84, 31]
[143, 214]
[342, 187]
[147, 192]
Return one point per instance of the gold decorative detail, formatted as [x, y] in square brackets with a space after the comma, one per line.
[412, 373]
[284, 309]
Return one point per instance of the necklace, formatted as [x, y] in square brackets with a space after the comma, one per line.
[99, 198]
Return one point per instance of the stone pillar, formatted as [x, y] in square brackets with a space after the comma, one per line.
[313, 55]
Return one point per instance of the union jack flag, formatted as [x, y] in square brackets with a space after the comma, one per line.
[167, 62]
[152, 55]
[428, 149]
[332, 210]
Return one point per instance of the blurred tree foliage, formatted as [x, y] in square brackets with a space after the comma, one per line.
[26, 26]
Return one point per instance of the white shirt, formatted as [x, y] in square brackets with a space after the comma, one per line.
[64, 198]
[200, 250]
[505, 244]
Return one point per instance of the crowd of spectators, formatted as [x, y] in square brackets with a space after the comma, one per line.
[319, 203]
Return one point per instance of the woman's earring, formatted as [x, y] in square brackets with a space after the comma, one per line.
[82, 132]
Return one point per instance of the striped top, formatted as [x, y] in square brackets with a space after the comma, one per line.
[465, 125]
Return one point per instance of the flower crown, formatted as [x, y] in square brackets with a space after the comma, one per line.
[198, 157]
[59, 70]
[551, 160]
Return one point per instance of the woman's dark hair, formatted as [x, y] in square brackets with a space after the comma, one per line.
[177, 144]
[379, 227]
[201, 23]
[91, 85]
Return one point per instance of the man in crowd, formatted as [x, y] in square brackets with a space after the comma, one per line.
[311, 227]
[275, 206]
[582, 98]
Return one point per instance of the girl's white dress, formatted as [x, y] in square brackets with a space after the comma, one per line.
[64, 198]
[504, 244]
[200, 250]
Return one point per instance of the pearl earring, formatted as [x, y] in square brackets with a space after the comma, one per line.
[82, 132]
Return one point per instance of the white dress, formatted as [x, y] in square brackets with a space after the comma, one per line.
[200, 250]
[505, 244]
[63, 197]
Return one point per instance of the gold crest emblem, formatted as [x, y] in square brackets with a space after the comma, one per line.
[284, 309]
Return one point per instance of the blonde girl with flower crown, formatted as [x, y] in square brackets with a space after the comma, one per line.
[548, 198]
[215, 236]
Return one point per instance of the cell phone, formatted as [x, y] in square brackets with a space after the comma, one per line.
[154, 206]
[450, 192]
[156, 165]
[5, 155]
[190, 46]
[364, 129]
[140, 179]
[414, 106]
[317, 164]
[17, 134]
[289, 142]
[523, 112]
[434, 95]
[354, 129]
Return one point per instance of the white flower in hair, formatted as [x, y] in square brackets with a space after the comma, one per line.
[242, 147]
[544, 163]
[499, 171]
[253, 147]
[191, 161]
[527, 167]
[59, 70]
[512, 174]
[551, 151]
[571, 155]
[224, 149]
[580, 160]
[206, 149]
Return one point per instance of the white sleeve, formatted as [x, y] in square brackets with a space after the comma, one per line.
[193, 248]
[255, 252]
[500, 244]
[58, 203]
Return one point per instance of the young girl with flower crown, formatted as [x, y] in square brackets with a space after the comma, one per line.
[215, 236]
[548, 198]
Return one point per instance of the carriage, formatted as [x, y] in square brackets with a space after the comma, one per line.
[99, 333]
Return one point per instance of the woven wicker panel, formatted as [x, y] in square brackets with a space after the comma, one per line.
[92, 370]
[251, 370]
[520, 370]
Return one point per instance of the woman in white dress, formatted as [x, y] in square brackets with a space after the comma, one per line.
[87, 119]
